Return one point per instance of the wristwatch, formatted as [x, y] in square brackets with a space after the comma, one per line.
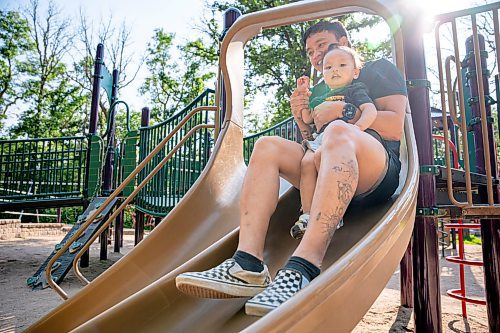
[349, 112]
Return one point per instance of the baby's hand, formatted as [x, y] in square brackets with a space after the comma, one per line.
[303, 84]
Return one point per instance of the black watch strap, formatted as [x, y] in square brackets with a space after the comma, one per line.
[349, 112]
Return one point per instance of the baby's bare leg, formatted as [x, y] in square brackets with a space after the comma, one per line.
[308, 175]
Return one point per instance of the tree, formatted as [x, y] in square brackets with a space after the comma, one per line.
[118, 55]
[275, 58]
[15, 42]
[173, 84]
[54, 104]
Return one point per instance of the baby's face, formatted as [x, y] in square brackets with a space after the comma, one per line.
[339, 69]
[317, 45]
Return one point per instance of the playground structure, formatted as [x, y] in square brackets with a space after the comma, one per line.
[64, 172]
[84, 170]
[201, 229]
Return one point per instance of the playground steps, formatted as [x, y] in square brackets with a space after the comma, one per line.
[64, 263]
[458, 177]
[478, 181]
[478, 184]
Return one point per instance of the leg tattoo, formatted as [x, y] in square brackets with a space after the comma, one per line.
[347, 175]
[330, 221]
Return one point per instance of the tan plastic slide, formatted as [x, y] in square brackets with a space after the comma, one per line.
[138, 293]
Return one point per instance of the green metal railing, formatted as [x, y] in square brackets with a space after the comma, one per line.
[167, 187]
[286, 129]
[42, 168]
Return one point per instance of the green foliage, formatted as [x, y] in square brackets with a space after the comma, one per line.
[15, 42]
[471, 240]
[357, 23]
[174, 83]
[128, 220]
[56, 108]
[121, 121]
[53, 104]
[276, 58]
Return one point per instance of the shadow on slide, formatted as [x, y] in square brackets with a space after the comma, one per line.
[138, 293]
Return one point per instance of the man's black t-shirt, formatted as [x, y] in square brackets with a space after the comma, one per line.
[382, 79]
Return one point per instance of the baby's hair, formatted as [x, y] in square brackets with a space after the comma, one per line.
[358, 60]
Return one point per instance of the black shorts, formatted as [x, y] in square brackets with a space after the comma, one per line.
[390, 181]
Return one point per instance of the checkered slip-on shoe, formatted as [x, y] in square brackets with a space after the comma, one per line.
[299, 228]
[286, 284]
[228, 280]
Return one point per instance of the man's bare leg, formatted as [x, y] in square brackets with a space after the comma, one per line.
[272, 157]
[351, 162]
[245, 274]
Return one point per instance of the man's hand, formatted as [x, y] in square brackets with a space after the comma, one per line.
[326, 112]
[298, 101]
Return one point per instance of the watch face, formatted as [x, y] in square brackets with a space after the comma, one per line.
[349, 111]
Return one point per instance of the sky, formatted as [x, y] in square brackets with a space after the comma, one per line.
[143, 17]
[178, 16]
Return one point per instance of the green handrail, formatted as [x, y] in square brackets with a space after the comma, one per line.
[164, 190]
[285, 129]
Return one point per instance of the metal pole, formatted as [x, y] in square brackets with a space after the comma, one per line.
[490, 228]
[230, 16]
[110, 149]
[107, 178]
[490, 239]
[470, 64]
[139, 216]
[119, 232]
[94, 110]
[120, 219]
[427, 300]
[96, 89]
[94, 117]
[406, 278]
[145, 116]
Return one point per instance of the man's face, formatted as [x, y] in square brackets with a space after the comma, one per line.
[317, 45]
[339, 69]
